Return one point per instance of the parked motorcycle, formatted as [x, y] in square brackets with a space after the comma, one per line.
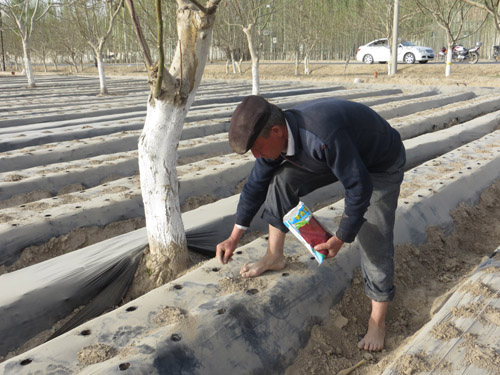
[496, 53]
[460, 53]
[442, 54]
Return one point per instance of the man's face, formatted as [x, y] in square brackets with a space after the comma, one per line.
[271, 147]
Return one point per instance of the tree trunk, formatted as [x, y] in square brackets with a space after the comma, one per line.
[102, 75]
[27, 65]
[255, 77]
[73, 63]
[44, 60]
[160, 192]
[233, 62]
[297, 63]
[168, 106]
[255, 60]
[238, 65]
[449, 56]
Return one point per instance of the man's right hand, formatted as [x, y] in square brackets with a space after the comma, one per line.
[225, 250]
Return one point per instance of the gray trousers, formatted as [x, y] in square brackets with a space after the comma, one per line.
[376, 237]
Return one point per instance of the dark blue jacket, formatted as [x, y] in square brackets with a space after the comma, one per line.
[335, 136]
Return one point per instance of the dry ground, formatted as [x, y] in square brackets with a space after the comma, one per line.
[485, 73]
[425, 276]
[482, 74]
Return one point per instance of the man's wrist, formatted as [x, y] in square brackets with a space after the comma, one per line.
[344, 237]
[237, 233]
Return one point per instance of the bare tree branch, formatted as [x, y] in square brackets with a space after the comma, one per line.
[140, 35]
[492, 7]
[201, 7]
[113, 18]
[161, 54]
[477, 4]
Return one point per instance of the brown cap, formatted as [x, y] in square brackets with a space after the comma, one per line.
[249, 118]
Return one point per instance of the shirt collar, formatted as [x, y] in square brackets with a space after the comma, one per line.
[290, 150]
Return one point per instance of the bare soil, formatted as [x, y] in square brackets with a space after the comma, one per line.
[486, 73]
[425, 275]
[482, 74]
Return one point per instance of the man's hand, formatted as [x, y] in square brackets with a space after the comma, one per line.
[225, 250]
[330, 248]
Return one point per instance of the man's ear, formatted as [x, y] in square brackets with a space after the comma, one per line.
[277, 130]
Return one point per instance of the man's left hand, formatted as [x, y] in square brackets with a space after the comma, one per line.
[330, 248]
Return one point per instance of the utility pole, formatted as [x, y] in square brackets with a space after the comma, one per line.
[1, 43]
[394, 47]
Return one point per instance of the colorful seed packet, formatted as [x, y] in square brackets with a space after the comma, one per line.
[302, 223]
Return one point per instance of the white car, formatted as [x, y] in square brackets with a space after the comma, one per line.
[379, 51]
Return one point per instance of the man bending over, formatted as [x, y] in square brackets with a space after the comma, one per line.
[310, 146]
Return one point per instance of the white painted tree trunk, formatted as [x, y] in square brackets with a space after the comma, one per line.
[255, 59]
[255, 78]
[297, 63]
[28, 68]
[160, 138]
[160, 191]
[102, 76]
[449, 56]
[233, 62]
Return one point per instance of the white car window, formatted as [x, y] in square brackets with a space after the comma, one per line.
[406, 43]
[379, 43]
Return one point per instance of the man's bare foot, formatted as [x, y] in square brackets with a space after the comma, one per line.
[375, 336]
[269, 262]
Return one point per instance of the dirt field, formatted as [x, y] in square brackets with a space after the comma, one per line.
[422, 288]
[482, 74]
[425, 276]
[432, 74]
